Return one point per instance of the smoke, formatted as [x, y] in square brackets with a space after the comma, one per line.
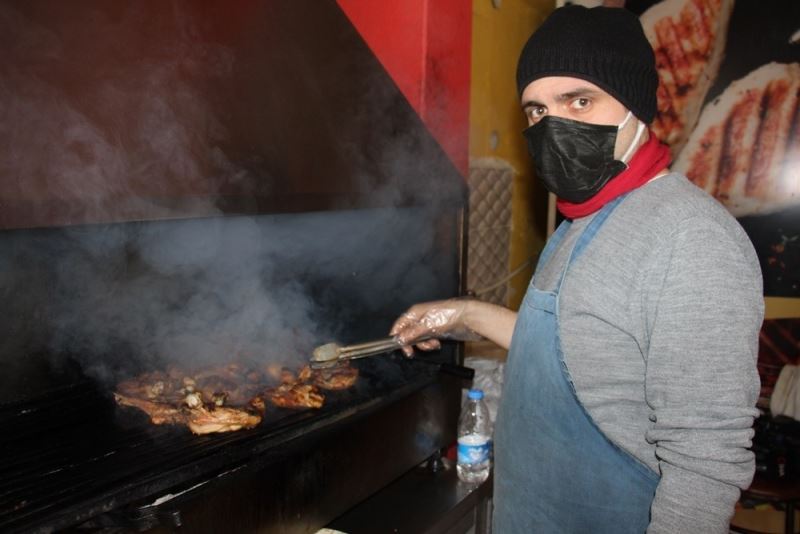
[121, 298]
[188, 293]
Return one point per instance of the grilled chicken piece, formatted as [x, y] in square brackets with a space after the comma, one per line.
[296, 395]
[305, 374]
[688, 38]
[287, 376]
[193, 399]
[273, 371]
[258, 404]
[220, 389]
[339, 377]
[159, 412]
[745, 150]
[155, 385]
[231, 372]
[214, 383]
[203, 420]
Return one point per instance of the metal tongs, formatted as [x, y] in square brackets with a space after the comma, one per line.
[331, 354]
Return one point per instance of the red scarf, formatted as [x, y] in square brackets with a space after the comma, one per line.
[649, 160]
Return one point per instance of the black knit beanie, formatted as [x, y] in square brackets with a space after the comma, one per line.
[603, 45]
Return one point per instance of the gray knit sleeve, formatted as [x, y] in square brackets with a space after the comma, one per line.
[704, 312]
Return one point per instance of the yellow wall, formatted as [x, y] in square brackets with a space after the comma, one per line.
[496, 121]
[781, 308]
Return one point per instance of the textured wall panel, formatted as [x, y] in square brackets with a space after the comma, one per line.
[490, 185]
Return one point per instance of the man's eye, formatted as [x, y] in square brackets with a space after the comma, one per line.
[537, 112]
[581, 103]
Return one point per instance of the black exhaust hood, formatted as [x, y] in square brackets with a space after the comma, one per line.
[123, 111]
[204, 181]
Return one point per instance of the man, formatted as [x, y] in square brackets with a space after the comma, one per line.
[631, 383]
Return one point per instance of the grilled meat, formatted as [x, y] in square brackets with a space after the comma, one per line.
[287, 376]
[273, 371]
[305, 374]
[154, 385]
[203, 420]
[340, 377]
[229, 398]
[297, 395]
[745, 150]
[193, 399]
[303, 390]
[688, 38]
[257, 404]
[199, 418]
[160, 413]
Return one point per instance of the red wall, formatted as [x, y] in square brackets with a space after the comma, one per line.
[425, 47]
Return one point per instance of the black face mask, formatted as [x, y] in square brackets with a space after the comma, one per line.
[574, 159]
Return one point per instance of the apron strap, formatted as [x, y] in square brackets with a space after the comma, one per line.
[589, 233]
[553, 243]
[594, 226]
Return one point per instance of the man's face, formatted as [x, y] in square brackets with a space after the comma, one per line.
[579, 100]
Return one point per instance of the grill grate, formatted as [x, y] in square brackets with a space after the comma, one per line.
[74, 455]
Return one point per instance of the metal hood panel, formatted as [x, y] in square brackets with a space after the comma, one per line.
[117, 111]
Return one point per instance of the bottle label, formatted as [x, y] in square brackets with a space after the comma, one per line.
[473, 453]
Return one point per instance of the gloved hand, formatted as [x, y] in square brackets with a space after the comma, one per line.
[441, 319]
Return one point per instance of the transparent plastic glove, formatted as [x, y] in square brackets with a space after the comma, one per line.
[441, 319]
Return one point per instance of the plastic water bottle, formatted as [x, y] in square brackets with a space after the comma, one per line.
[474, 440]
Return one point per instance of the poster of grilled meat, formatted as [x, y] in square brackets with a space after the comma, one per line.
[728, 108]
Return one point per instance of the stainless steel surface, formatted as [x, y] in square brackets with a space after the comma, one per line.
[423, 501]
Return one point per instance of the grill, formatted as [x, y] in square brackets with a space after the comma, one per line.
[262, 174]
[71, 457]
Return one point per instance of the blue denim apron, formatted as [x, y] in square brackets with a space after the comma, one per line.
[555, 471]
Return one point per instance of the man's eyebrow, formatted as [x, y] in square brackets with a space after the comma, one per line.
[569, 95]
[577, 93]
[531, 104]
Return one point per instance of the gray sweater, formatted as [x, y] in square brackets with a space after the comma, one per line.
[659, 326]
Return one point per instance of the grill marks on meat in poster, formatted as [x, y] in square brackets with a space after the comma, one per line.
[793, 138]
[228, 398]
[738, 126]
[744, 150]
[768, 136]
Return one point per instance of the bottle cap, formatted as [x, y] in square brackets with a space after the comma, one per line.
[475, 394]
